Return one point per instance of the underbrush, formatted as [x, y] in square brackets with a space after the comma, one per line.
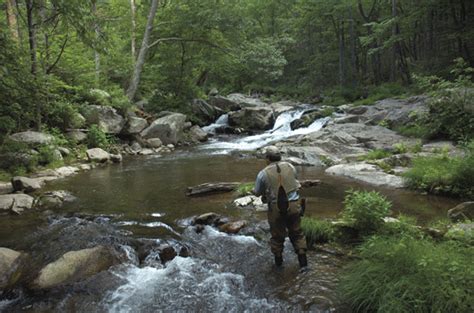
[245, 189]
[316, 230]
[400, 274]
[443, 175]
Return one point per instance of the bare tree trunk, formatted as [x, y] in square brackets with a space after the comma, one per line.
[11, 18]
[42, 12]
[354, 69]
[393, 67]
[342, 48]
[97, 35]
[134, 27]
[132, 89]
[31, 35]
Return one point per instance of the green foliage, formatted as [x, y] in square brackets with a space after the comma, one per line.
[17, 157]
[96, 138]
[402, 274]
[245, 189]
[376, 154]
[443, 174]
[316, 230]
[365, 210]
[404, 227]
[400, 148]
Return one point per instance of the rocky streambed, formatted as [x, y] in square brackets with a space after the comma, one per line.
[122, 238]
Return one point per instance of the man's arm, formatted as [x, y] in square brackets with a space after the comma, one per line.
[259, 189]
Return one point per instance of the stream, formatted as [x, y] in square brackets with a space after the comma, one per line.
[143, 198]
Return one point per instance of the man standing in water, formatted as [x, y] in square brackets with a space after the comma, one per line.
[269, 180]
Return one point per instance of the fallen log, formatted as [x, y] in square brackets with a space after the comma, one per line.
[309, 183]
[211, 188]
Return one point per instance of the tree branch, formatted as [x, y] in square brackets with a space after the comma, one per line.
[50, 68]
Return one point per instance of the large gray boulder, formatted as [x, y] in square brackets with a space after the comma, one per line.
[106, 118]
[368, 173]
[32, 137]
[205, 112]
[258, 118]
[74, 266]
[97, 155]
[197, 134]
[8, 261]
[135, 125]
[234, 102]
[168, 128]
[16, 203]
[26, 184]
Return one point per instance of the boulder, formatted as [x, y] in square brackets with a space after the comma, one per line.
[32, 137]
[76, 135]
[197, 134]
[116, 158]
[232, 227]
[97, 155]
[54, 199]
[234, 102]
[8, 263]
[462, 212]
[251, 202]
[66, 171]
[74, 266]
[154, 142]
[146, 151]
[347, 119]
[259, 118]
[16, 203]
[135, 125]
[136, 147]
[368, 173]
[106, 118]
[210, 218]
[306, 119]
[26, 184]
[64, 151]
[205, 112]
[5, 188]
[168, 128]
[167, 253]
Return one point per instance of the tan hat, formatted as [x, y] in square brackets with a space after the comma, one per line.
[272, 152]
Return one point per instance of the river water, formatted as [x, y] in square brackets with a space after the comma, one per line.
[144, 198]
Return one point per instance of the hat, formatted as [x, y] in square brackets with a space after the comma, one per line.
[272, 152]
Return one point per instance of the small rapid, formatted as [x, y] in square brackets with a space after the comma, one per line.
[280, 131]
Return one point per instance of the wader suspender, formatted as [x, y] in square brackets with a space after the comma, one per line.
[282, 197]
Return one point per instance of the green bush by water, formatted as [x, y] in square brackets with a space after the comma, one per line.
[245, 189]
[407, 275]
[97, 138]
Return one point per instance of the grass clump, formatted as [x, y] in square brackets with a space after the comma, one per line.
[365, 210]
[376, 154]
[443, 175]
[316, 230]
[406, 275]
[245, 189]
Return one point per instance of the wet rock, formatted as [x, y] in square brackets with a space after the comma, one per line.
[210, 218]
[232, 227]
[211, 188]
[258, 118]
[54, 199]
[8, 263]
[309, 183]
[32, 137]
[462, 212]
[368, 173]
[77, 135]
[66, 171]
[347, 119]
[197, 134]
[135, 125]
[116, 158]
[234, 102]
[106, 118]
[26, 184]
[205, 112]
[167, 253]
[297, 161]
[74, 266]
[168, 128]
[146, 152]
[5, 188]
[97, 155]
[306, 119]
[16, 203]
[135, 147]
[154, 142]
[64, 151]
[251, 202]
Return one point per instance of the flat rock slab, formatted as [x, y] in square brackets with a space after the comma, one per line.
[368, 173]
[211, 188]
[5, 188]
[16, 203]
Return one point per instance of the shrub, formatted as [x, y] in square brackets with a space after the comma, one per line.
[245, 189]
[408, 275]
[404, 227]
[96, 138]
[316, 230]
[365, 210]
[17, 157]
[63, 115]
[376, 154]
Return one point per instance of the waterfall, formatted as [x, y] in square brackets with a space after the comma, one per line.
[280, 131]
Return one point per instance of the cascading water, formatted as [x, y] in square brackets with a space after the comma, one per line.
[280, 131]
[223, 120]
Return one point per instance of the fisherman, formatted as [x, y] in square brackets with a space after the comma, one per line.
[269, 181]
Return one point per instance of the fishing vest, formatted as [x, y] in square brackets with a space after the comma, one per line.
[288, 179]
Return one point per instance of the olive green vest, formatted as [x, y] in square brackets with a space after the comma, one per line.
[288, 178]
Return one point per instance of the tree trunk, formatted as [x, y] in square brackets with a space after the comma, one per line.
[42, 12]
[31, 35]
[132, 89]
[342, 48]
[97, 37]
[12, 18]
[393, 66]
[134, 26]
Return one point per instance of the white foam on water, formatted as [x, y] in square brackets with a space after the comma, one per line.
[223, 120]
[211, 232]
[184, 285]
[281, 130]
[150, 225]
